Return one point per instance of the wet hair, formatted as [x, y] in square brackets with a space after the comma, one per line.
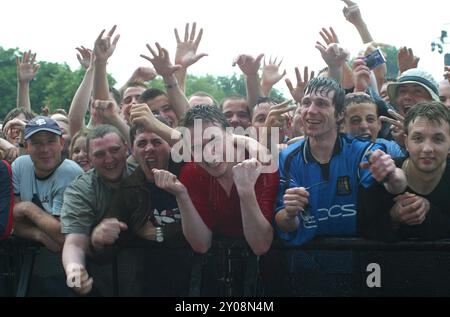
[139, 128]
[359, 98]
[433, 111]
[150, 94]
[100, 131]
[325, 86]
[80, 134]
[205, 113]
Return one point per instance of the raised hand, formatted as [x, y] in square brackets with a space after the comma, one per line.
[248, 64]
[26, 67]
[103, 47]
[141, 114]
[298, 92]
[352, 12]
[333, 54]
[161, 61]
[329, 37]
[186, 53]
[276, 116]
[406, 59]
[84, 57]
[105, 111]
[397, 127]
[270, 72]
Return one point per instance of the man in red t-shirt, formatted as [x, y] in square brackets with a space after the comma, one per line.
[217, 194]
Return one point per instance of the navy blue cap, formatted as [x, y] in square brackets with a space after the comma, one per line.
[40, 123]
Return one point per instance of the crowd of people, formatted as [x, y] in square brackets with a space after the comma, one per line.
[352, 154]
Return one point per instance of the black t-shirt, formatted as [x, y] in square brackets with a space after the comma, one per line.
[375, 204]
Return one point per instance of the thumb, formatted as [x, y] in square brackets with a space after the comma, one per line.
[123, 226]
[364, 165]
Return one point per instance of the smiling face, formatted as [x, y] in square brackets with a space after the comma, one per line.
[409, 95]
[45, 150]
[79, 153]
[209, 149]
[161, 105]
[108, 155]
[150, 151]
[361, 121]
[318, 115]
[428, 144]
[236, 112]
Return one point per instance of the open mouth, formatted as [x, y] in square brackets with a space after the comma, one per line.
[365, 136]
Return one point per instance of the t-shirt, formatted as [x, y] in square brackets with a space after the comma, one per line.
[86, 201]
[376, 203]
[46, 192]
[334, 187]
[222, 213]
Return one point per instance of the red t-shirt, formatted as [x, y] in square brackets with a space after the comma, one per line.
[222, 213]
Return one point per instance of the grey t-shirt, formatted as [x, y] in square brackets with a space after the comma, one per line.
[86, 201]
[49, 190]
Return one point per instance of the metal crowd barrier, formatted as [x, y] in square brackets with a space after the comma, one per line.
[17, 260]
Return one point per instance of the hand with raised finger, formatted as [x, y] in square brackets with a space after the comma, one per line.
[26, 67]
[352, 13]
[186, 53]
[329, 37]
[141, 114]
[248, 64]
[107, 232]
[275, 118]
[298, 92]
[406, 59]
[295, 200]
[84, 56]
[271, 73]
[169, 182]
[104, 47]
[333, 54]
[161, 61]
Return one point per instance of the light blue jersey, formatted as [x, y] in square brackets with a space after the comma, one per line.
[334, 188]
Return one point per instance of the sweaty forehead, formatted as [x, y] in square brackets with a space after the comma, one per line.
[133, 91]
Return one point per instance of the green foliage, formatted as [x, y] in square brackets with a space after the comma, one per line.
[218, 87]
[54, 86]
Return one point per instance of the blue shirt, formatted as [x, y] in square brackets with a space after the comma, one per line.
[332, 203]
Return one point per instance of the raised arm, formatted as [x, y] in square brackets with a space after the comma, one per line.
[163, 66]
[186, 53]
[271, 75]
[406, 59]
[335, 57]
[107, 112]
[26, 71]
[250, 67]
[298, 92]
[141, 75]
[103, 49]
[353, 15]
[80, 101]
[330, 37]
[195, 230]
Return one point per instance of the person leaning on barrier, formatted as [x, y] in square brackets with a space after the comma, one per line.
[320, 176]
[423, 210]
[87, 201]
[40, 179]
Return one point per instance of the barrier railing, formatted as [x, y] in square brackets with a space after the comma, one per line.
[407, 268]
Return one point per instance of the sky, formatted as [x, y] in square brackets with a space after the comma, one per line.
[284, 28]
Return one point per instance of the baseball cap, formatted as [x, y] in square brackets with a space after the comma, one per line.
[415, 76]
[40, 123]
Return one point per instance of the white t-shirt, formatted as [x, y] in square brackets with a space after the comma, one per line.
[49, 190]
